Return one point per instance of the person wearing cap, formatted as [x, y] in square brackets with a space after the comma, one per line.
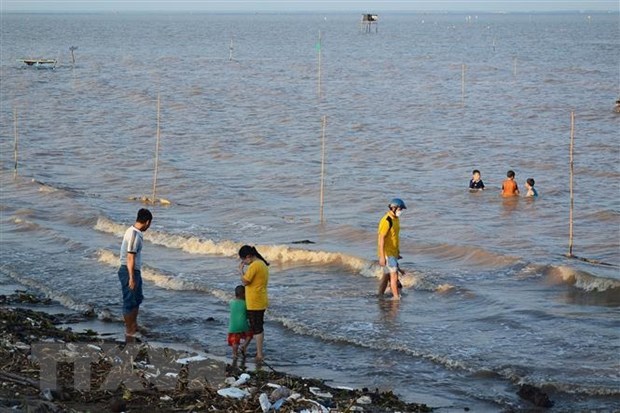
[388, 248]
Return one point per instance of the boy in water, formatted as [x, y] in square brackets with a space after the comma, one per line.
[531, 191]
[509, 187]
[129, 272]
[476, 183]
[238, 326]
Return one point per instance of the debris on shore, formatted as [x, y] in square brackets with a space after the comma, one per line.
[49, 369]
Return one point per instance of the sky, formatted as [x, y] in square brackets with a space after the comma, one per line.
[308, 5]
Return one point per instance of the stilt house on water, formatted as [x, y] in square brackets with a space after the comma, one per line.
[367, 23]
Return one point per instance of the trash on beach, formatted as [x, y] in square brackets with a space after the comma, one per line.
[241, 380]
[165, 398]
[47, 395]
[149, 375]
[364, 400]
[21, 346]
[233, 392]
[171, 374]
[229, 380]
[317, 392]
[316, 408]
[190, 359]
[279, 393]
[278, 404]
[265, 405]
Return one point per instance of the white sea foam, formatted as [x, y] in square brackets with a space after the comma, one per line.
[162, 280]
[581, 279]
[278, 253]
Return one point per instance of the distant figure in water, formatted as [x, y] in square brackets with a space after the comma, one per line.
[388, 246]
[617, 107]
[475, 182]
[509, 187]
[531, 191]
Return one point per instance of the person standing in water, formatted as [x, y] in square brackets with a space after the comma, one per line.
[255, 279]
[129, 273]
[388, 246]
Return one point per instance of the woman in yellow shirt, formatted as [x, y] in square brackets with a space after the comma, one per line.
[255, 278]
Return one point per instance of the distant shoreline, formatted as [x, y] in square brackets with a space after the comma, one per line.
[313, 12]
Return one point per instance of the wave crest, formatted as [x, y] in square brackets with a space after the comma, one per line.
[581, 279]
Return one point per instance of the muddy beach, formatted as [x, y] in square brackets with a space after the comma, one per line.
[47, 367]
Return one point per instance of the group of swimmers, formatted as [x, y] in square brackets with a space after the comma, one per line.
[509, 186]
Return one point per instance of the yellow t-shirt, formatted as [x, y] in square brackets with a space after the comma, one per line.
[257, 275]
[390, 245]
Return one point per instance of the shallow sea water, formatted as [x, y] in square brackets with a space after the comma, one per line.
[490, 299]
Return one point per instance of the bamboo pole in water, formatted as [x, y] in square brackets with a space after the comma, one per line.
[514, 66]
[156, 152]
[319, 69]
[15, 143]
[570, 213]
[230, 50]
[321, 197]
[463, 84]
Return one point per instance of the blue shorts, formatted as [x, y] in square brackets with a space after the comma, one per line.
[131, 298]
[391, 264]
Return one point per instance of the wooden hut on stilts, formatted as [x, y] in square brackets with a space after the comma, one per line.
[368, 22]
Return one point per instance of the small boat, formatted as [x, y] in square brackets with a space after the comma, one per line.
[40, 63]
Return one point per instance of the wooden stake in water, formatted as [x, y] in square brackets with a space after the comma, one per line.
[322, 171]
[73, 48]
[15, 144]
[463, 84]
[514, 66]
[318, 48]
[570, 213]
[230, 49]
[156, 152]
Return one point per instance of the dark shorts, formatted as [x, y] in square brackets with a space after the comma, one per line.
[131, 298]
[256, 318]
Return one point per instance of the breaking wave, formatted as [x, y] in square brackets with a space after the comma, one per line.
[282, 254]
[163, 280]
[581, 279]
[278, 253]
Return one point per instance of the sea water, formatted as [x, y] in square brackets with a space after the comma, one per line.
[490, 301]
